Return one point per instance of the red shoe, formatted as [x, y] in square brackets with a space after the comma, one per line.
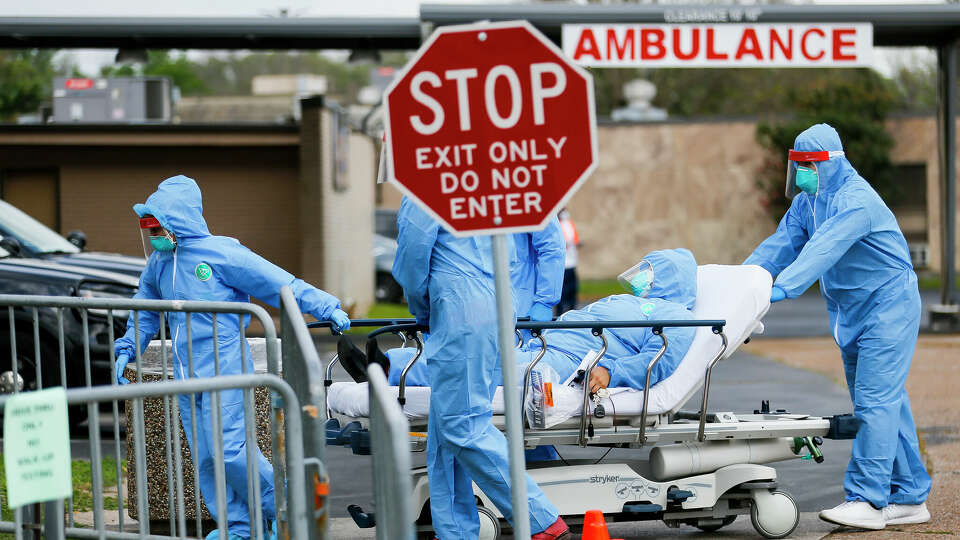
[559, 529]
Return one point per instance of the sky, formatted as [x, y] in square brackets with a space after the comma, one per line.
[886, 60]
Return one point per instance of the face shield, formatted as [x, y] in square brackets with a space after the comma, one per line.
[638, 279]
[155, 237]
[803, 173]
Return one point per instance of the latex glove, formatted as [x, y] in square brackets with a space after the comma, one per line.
[341, 321]
[540, 312]
[777, 294]
[122, 360]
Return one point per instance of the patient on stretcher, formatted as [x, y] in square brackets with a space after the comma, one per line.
[670, 295]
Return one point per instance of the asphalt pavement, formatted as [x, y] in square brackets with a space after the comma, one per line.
[806, 316]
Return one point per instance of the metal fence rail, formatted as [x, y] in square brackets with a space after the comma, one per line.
[68, 341]
[389, 438]
[303, 372]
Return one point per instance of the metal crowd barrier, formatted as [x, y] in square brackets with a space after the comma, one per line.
[389, 439]
[57, 340]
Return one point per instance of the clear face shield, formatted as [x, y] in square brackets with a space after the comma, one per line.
[155, 237]
[803, 173]
[638, 279]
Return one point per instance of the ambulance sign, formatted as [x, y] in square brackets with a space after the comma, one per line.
[490, 128]
[719, 45]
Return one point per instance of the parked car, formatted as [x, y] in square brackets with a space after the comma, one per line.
[24, 236]
[20, 275]
[387, 288]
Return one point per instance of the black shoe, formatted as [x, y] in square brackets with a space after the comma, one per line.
[352, 359]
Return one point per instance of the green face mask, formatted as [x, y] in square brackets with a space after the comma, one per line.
[162, 243]
[807, 179]
[641, 284]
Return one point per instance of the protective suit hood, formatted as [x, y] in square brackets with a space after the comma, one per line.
[178, 205]
[834, 172]
[674, 276]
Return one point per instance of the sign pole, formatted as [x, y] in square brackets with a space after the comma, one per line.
[511, 397]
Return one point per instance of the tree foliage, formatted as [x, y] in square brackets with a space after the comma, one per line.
[857, 107]
[25, 80]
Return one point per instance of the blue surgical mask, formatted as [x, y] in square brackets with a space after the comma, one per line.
[807, 179]
[162, 243]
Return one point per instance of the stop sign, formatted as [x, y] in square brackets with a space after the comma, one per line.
[490, 128]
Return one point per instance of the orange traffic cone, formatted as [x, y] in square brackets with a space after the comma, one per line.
[594, 527]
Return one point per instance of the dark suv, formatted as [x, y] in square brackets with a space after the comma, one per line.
[22, 235]
[25, 276]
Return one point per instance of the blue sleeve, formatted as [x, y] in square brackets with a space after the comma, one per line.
[551, 253]
[411, 267]
[826, 246]
[149, 320]
[250, 273]
[631, 371]
[781, 248]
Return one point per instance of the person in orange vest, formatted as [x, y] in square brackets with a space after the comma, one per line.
[568, 293]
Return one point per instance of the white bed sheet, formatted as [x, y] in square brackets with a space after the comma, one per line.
[739, 294]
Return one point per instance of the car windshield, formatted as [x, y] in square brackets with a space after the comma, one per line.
[32, 235]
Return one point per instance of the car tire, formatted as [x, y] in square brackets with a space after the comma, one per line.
[49, 368]
[387, 289]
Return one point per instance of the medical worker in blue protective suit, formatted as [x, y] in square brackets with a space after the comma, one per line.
[188, 263]
[839, 231]
[536, 275]
[669, 294]
[448, 284]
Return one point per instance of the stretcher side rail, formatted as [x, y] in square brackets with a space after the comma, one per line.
[596, 328]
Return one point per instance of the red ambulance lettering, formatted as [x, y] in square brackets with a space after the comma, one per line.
[712, 53]
[694, 48]
[786, 47]
[749, 45]
[803, 44]
[587, 45]
[618, 50]
[839, 43]
[651, 44]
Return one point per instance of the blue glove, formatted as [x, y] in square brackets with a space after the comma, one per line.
[777, 294]
[540, 312]
[341, 321]
[122, 360]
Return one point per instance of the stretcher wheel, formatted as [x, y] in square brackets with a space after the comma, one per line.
[489, 525]
[774, 514]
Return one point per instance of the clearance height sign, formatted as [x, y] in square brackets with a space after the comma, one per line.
[719, 45]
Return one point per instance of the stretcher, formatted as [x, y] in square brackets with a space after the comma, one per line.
[704, 469]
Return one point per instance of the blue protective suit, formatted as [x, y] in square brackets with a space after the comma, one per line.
[236, 273]
[846, 236]
[536, 272]
[629, 350]
[448, 283]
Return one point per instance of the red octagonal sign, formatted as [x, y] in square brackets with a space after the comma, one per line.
[490, 128]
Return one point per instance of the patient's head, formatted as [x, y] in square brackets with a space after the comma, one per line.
[670, 274]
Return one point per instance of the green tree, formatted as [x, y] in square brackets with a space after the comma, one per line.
[856, 107]
[25, 80]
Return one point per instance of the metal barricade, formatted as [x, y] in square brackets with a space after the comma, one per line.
[68, 341]
[303, 372]
[389, 438]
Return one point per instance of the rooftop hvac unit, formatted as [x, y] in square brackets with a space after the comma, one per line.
[120, 100]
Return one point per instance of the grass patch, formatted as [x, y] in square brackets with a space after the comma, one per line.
[382, 311]
[594, 289]
[82, 477]
[931, 282]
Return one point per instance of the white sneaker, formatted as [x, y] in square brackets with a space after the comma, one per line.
[901, 514]
[855, 514]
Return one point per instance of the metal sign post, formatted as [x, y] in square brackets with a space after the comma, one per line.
[513, 409]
